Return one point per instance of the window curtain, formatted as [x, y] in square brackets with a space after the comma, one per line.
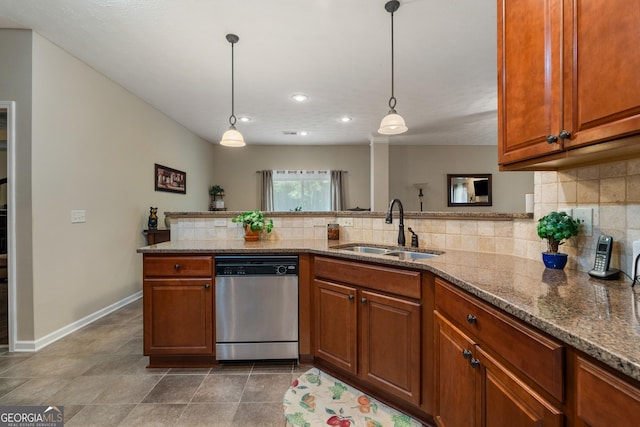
[266, 193]
[338, 196]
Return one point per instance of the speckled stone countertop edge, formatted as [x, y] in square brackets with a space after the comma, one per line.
[496, 216]
[625, 364]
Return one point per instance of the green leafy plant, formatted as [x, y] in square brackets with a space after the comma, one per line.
[255, 220]
[556, 227]
[215, 190]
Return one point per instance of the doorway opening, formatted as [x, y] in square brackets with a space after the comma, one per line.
[7, 225]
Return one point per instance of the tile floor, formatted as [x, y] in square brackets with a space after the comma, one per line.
[100, 377]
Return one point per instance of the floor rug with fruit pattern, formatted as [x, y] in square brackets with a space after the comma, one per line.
[317, 399]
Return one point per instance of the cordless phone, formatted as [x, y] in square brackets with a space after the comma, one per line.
[603, 258]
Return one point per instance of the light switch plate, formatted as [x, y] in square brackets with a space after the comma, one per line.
[585, 216]
[78, 216]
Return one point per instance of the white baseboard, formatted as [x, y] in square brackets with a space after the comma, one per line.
[31, 346]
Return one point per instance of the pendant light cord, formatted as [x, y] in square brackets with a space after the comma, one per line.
[232, 119]
[392, 100]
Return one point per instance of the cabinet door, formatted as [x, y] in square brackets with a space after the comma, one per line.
[335, 323]
[529, 78]
[602, 88]
[604, 399]
[455, 378]
[507, 401]
[390, 340]
[178, 316]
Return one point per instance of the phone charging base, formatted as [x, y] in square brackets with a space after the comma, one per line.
[612, 274]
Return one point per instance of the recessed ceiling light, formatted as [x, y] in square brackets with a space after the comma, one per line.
[345, 119]
[244, 119]
[299, 97]
[304, 133]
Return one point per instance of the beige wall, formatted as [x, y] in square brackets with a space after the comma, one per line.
[431, 164]
[93, 147]
[235, 169]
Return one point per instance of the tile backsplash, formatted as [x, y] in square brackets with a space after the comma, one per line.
[611, 190]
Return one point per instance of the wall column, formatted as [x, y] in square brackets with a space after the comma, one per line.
[379, 150]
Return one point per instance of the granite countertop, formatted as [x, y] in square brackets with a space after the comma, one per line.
[600, 318]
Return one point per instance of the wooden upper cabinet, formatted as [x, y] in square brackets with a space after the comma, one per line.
[567, 73]
[602, 88]
[529, 78]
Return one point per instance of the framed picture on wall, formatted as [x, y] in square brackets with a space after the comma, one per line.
[169, 179]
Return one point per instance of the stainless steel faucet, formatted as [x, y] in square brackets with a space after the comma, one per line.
[389, 220]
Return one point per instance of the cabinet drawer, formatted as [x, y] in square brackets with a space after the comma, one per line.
[538, 357]
[400, 282]
[178, 266]
[604, 399]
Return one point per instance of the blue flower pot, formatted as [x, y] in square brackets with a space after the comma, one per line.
[555, 261]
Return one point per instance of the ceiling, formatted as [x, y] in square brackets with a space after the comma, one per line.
[174, 55]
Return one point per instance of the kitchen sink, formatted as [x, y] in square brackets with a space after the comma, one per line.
[401, 254]
[366, 249]
[410, 255]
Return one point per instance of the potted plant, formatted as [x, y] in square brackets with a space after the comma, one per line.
[216, 191]
[253, 222]
[556, 227]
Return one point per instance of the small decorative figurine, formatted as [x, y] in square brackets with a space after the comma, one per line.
[153, 218]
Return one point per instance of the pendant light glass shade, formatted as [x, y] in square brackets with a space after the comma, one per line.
[232, 138]
[392, 123]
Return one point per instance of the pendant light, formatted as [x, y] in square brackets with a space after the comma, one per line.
[392, 123]
[232, 138]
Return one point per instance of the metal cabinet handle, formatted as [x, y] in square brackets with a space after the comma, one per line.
[363, 300]
[351, 297]
[471, 319]
[466, 353]
[176, 267]
[207, 286]
[564, 134]
[474, 362]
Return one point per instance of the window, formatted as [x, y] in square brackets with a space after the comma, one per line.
[305, 190]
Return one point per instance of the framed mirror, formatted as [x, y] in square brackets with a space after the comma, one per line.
[469, 189]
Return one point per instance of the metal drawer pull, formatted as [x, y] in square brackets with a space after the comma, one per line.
[176, 267]
[351, 297]
[363, 300]
[474, 362]
[466, 353]
[207, 286]
[471, 319]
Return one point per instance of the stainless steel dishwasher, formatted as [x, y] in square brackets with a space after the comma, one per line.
[256, 307]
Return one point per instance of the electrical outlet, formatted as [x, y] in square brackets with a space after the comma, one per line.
[585, 216]
[78, 216]
[346, 222]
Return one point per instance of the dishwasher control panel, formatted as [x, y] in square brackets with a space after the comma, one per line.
[256, 265]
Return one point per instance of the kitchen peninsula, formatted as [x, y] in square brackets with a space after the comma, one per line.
[553, 341]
